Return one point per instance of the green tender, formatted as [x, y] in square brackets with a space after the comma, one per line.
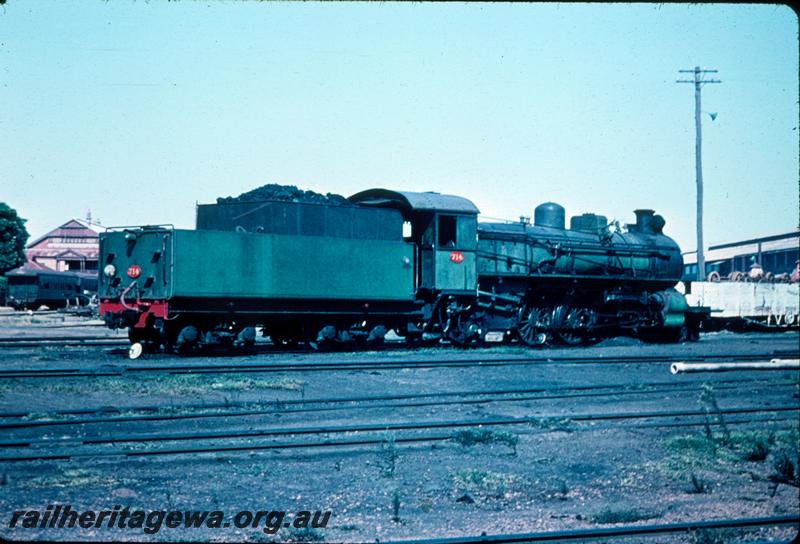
[231, 264]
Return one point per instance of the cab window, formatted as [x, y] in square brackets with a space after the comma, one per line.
[447, 231]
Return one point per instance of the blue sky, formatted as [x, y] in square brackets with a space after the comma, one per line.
[136, 110]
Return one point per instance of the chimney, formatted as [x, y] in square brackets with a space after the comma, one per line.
[644, 221]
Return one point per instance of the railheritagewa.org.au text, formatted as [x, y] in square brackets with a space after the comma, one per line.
[63, 516]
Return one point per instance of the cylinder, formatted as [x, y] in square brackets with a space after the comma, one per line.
[550, 215]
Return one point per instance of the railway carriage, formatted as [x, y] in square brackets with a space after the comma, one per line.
[30, 287]
[418, 263]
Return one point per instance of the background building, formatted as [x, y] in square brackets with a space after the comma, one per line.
[72, 246]
[776, 254]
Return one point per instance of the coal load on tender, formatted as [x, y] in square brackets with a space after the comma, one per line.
[286, 193]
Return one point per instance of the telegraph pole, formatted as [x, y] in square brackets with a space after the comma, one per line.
[698, 149]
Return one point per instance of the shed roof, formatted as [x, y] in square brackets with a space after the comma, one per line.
[29, 268]
[408, 201]
[77, 228]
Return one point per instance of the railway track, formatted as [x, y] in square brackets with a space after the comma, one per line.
[248, 409]
[261, 347]
[127, 369]
[623, 531]
[62, 341]
[36, 446]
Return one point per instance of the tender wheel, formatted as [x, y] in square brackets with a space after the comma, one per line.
[247, 338]
[188, 340]
[376, 337]
[534, 326]
[327, 339]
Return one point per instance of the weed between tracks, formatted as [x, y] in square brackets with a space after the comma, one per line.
[698, 485]
[44, 416]
[169, 384]
[396, 506]
[609, 516]
[727, 453]
[291, 534]
[772, 454]
[563, 424]
[716, 536]
[709, 401]
[488, 484]
[74, 478]
[390, 455]
[750, 445]
[472, 437]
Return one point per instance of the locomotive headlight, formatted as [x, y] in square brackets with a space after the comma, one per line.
[110, 270]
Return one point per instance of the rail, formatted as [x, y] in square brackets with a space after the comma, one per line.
[612, 532]
[36, 452]
[119, 370]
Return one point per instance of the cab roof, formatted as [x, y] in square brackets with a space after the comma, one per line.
[408, 201]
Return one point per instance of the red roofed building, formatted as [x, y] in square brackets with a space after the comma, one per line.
[72, 246]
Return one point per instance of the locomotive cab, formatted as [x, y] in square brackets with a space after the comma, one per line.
[443, 229]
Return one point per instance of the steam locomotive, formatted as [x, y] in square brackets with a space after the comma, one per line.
[417, 263]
